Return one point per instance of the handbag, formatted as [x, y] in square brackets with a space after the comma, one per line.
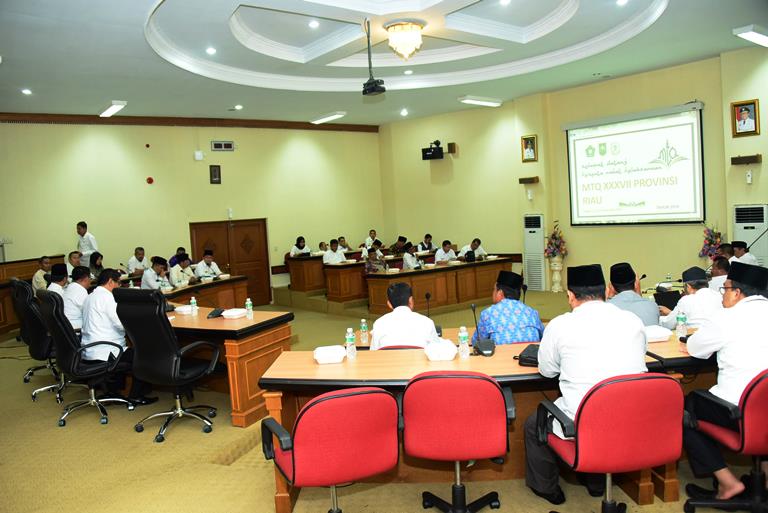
[529, 357]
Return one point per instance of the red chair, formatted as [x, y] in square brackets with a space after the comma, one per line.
[750, 439]
[338, 437]
[623, 424]
[456, 416]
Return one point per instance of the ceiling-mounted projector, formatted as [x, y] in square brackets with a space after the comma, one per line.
[372, 86]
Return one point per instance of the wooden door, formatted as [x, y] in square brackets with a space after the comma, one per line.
[249, 256]
[212, 235]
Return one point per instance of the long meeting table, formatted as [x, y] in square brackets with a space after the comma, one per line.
[294, 378]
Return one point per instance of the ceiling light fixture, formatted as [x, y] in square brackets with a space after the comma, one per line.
[481, 100]
[313, 24]
[26, 91]
[238, 107]
[621, 3]
[117, 106]
[408, 72]
[504, 2]
[328, 117]
[405, 36]
[210, 50]
[403, 112]
[753, 33]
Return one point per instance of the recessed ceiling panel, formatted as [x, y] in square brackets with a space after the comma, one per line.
[287, 28]
[519, 12]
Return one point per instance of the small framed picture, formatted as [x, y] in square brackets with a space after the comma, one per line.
[215, 172]
[529, 148]
[745, 118]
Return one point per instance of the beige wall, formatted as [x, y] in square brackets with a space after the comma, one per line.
[317, 184]
[744, 77]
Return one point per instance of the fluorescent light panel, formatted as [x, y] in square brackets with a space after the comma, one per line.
[328, 117]
[117, 106]
[480, 100]
[753, 33]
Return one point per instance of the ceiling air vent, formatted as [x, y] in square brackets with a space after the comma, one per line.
[222, 146]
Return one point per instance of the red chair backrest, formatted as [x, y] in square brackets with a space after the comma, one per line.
[454, 416]
[345, 435]
[754, 416]
[629, 422]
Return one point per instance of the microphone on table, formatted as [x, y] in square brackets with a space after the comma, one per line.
[643, 277]
[484, 346]
[525, 289]
[438, 328]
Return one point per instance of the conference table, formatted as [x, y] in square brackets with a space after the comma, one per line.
[294, 378]
[250, 347]
[23, 270]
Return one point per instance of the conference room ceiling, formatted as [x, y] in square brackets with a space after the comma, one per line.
[76, 56]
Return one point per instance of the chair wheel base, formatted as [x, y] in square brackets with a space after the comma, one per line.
[62, 422]
[104, 420]
[459, 501]
[159, 439]
[207, 428]
[613, 507]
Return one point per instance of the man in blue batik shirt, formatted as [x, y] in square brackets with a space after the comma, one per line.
[508, 320]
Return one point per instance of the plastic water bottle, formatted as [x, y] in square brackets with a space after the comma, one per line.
[363, 332]
[681, 330]
[193, 304]
[463, 343]
[248, 308]
[349, 342]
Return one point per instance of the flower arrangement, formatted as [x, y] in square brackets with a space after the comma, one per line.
[712, 240]
[555, 243]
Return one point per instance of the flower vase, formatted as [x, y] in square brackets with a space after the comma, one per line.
[556, 266]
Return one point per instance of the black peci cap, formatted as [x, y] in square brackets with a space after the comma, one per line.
[510, 279]
[694, 274]
[586, 276]
[622, 273]
[751, 275]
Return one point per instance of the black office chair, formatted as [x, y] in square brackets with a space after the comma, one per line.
[157, 357]
[69, 357]
[32, 331]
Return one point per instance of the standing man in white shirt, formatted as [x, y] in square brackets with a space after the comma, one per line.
[698, 304]
[726, 250]
[475, 247]
[410, 261]
[300, 248]
[38, 279]
[138, 263]
[86, 243]
[75, 295]
[207, 268]
[101, 324]
[59, 279]
[181, 274]
[154, 278]
[402, 326]
[720, 268]
[593, 342]
[445, 253]
[742, 254]
[335, 255]
[738, 335]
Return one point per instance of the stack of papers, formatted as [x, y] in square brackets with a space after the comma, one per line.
[329, 354]
[234, 313]
[657, 333]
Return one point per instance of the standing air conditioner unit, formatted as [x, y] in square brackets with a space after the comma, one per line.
[749, 222]
[534, 270]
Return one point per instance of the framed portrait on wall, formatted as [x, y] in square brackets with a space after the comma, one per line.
[745, 118]
[529, 148]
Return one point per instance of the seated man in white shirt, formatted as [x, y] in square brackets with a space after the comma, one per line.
[207, 268]
[699, 302]
[343, 244]
[742, 254]
[155, 278]
[300, 248]
[410, 261]
[726, 250]
[376, 246]
[593, 342]
[426, 244]
[75, 295]
[138, 263]
[38, 279]
[369, 240]
[720, 268]
[475, 247]
[101, 324]
[445, 253]
[737, 335]
[59, 279]
[323, 246]
[402, 326]
[181, 274]
[73, 260]
[335, 255]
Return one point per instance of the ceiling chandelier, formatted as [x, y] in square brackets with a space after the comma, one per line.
[404, 36]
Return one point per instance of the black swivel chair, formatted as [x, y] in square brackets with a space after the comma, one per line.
[32, 331]
[157, 357]
[69, 357]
